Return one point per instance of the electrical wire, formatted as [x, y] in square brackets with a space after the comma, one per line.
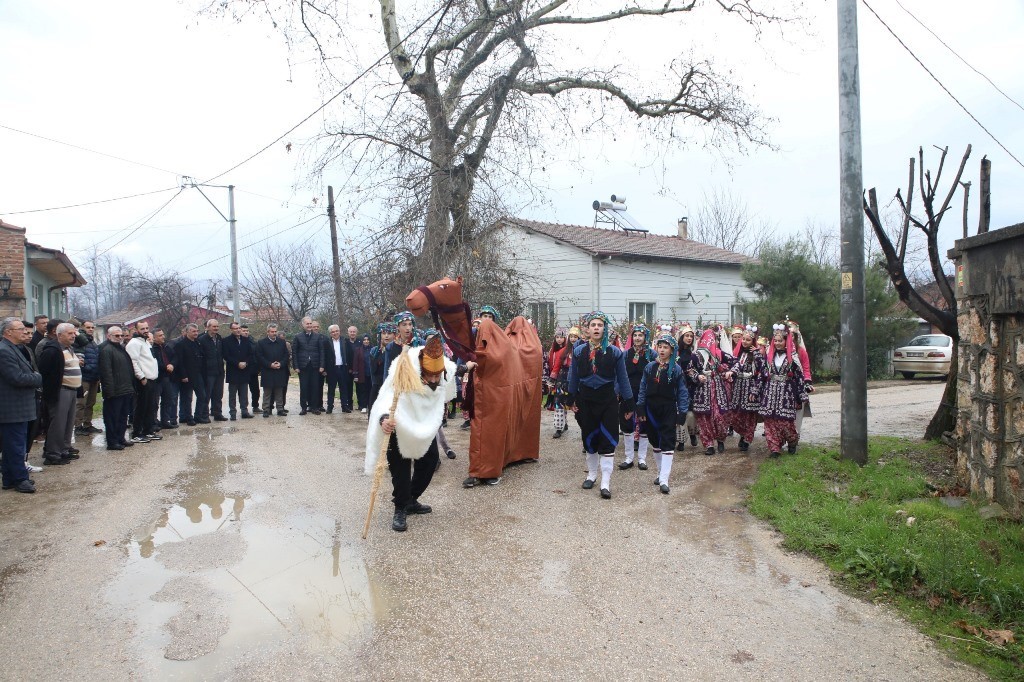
[89, 203]
[942, 85]
[251, 244]
[955, 54]
[141, 225]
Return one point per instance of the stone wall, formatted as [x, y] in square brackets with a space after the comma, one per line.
[990, 375]
[12, 261]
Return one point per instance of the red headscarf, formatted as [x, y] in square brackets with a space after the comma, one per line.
[709, 342]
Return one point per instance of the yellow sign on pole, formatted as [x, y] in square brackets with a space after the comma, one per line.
[847, 280]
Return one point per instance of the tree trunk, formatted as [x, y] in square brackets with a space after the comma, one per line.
[945, 417]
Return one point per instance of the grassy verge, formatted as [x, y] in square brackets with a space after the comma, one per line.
[889, 537]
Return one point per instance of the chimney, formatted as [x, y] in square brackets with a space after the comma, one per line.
[683, 225]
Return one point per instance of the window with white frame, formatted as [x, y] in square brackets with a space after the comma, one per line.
[543, 315]
[738, 314]
[37, 300]
[641, 312]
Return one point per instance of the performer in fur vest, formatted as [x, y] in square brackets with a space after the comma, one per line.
[710, 400]
[663, 402]
[742, 407]
[412, 431]
[596, 375]
[638, 356]
[782, 391]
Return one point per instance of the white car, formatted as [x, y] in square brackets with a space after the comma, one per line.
[926, 354]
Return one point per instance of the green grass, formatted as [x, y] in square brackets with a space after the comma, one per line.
[948, 572]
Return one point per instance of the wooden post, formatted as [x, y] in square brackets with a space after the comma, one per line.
[967, 196]
[335, 257]
[986, 195]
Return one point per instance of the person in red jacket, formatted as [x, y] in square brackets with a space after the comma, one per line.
[558, 364]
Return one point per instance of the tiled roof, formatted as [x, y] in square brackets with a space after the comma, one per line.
[604, 242]
[126, 316]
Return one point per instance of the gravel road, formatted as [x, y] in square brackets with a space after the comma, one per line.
[234, 553]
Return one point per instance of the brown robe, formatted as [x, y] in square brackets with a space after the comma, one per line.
[508, 386]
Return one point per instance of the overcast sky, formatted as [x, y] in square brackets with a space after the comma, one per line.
[153, 83]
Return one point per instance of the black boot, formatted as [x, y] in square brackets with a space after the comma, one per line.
[693, 439]
[721, 446]
[710, 451]
[398, 523]
[791, 448]
[744, 445]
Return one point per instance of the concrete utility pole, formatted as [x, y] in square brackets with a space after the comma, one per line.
[336, 271]
[852, 313]
[235, 298]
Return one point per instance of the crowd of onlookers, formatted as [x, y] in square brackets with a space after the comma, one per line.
[51, 372]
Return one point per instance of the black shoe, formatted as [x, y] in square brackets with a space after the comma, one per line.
[444, 422]
[55, 460]
[246, 415]
[398, 523]
[450, 453]
[710, 451]
[588, 484]
[558, 434]
[128, 444]
[744, 445]
[491, 481]
[303, 412]
[156, 428]
[93, 429]
[82, 430]
[774, 455]
[282, 413]
[204, 420]
[693, 439]
[21, 487]
[721, 446]
[191, 422]
[266, 415]
[73, 451]
[606, 494]
[642, 466]
[791, 449]
[417, 508]
[318, 412]
[152, 436]
[115, 447]
[664, 488]
[329, 410]
[346, 410]
[70, 456]
[232, 418]
[465, 425]
[220, 418]
[625, 465]
[470, 482]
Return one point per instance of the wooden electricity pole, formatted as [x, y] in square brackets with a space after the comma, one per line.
[336, 258]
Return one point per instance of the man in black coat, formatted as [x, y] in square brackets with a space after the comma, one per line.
[166, 388]
[213, 354]
[40, 331]
[239, 357]
[18, 386]
[190, 375]
[272, 357]
[116, 383]
[254, 372]
[308, 355]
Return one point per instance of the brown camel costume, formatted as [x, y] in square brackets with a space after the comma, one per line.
[506, 385]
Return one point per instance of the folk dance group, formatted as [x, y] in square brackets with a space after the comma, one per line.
[658, 394]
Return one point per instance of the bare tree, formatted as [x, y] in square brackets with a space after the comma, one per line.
[895, 251]
[170, 293]
[724, 220]
[293, 283]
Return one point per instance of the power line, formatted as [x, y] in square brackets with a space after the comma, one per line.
[91, 151]
[251, 244]
[141, 225]
[90, 203]
[941, 85]
[955, 54]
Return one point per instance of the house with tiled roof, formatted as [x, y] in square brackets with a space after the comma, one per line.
[631, 274]
[34, 279]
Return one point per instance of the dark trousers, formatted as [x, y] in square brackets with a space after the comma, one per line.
[410, 477]
[115, 418]
[598, 417]
[241, 392]
[13, 439]
[168, 408]
[186, 389]
[215, 394]
[254, 390]
[661, 420]
[272, 396]
[145, 401]
[337, 375]
[311, 392]
[363, 394]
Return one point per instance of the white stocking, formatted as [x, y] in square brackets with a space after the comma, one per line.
[592, 464]
[666, 467]
[628, 439]
[642, 454]
[607, 464]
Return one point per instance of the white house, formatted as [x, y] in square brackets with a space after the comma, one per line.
[569, 270]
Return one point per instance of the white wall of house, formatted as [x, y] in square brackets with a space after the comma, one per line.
[577, 282]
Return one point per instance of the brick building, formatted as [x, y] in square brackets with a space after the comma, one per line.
[40, 276]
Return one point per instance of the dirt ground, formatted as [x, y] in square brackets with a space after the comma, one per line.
[233, 552]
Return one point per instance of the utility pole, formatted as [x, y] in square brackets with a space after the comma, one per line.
[235, 300]
[986, 195]
[336, 272]
[852, 313]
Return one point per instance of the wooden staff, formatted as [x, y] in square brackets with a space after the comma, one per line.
[405, 380]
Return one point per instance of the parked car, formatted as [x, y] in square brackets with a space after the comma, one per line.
[926, 354]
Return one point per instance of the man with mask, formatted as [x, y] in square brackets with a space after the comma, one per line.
[411, 432]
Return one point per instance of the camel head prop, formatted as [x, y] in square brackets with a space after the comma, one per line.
[443, 294]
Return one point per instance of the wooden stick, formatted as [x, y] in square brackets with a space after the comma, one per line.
[378, 471]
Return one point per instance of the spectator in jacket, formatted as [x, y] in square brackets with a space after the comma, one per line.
[272, 356]
[145, 370]
[254, 372]
[190, 373]
[239, 357]
[337, 369]
[62, 379]
[18, 385]
[308, 349]
[85, 345]
[349, 344]
[116, 376]
[165, 407]
[27, 329]
[213, 355]
[40, 331]
[49, 335]
[361, 371]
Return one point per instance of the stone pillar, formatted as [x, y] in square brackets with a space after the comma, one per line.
[12, 261]
[990, 375]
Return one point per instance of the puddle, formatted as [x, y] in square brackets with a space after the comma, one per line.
[206, 585]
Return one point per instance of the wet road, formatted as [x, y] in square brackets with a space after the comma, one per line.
[234, 553]
[895, 408]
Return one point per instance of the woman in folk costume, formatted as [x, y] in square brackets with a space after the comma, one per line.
[687, 345]
[805, 365]
[596, 375]
[411, 432]
[559, 358]
[385, 334]
[781, 391]
[710, 401]
[744, 405]
[638, 356]
[663, 402]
